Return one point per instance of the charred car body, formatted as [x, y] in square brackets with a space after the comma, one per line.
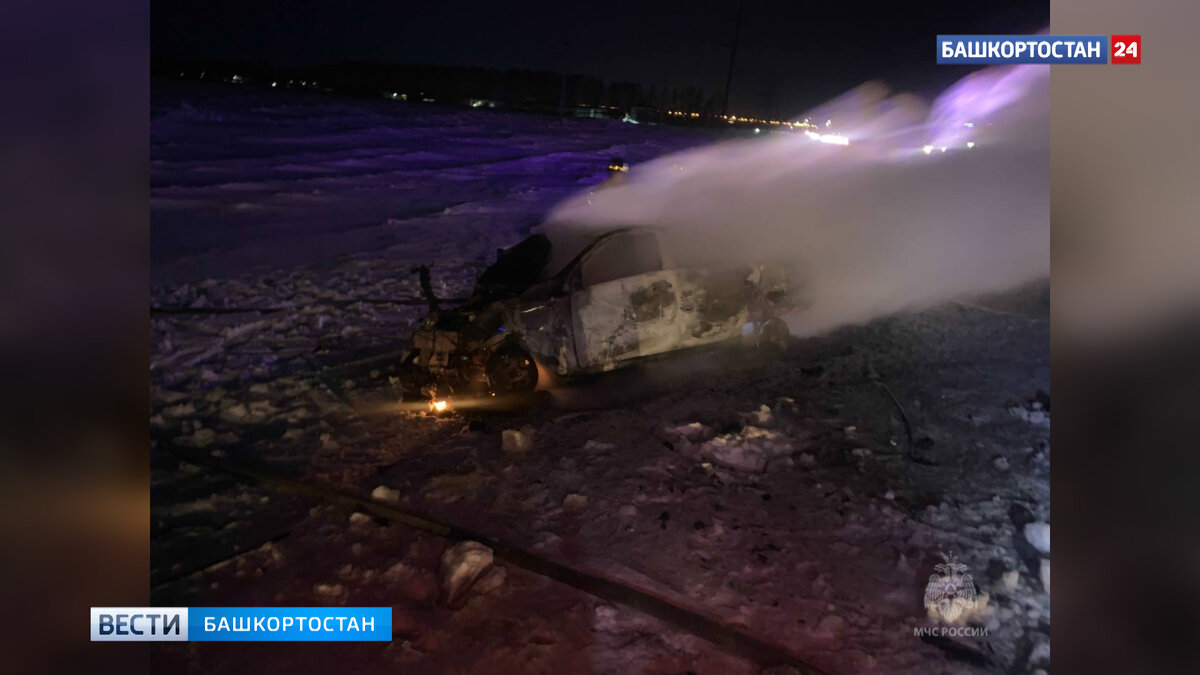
[615, 302]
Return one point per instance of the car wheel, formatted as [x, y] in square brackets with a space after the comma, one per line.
[413, 379]
[511, 370]
[773, 336]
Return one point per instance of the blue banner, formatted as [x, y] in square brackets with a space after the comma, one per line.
[289, 624]
[1017, 49]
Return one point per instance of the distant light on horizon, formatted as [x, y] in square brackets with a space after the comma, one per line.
[831, 139]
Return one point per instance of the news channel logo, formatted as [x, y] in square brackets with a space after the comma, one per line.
[241, 624]
[1051, 50]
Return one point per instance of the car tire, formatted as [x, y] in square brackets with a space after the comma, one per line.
[511, 370]
[773, 336]
[413, 378]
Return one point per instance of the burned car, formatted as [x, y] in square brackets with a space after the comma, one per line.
[616, 301]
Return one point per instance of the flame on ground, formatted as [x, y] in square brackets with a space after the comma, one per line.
[441, 405]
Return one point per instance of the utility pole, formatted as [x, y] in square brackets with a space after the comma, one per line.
[737, 32]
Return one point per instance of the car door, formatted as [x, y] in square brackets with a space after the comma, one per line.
[626, 305]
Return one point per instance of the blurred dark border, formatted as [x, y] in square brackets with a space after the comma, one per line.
[1126, 344]
[73, 330]
[74, 183]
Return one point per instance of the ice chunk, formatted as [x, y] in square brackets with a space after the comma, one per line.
[1038, 534]
[386, 495]
[462, 565]
[512, 440]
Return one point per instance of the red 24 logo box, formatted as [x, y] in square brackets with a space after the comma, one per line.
[1126, 49]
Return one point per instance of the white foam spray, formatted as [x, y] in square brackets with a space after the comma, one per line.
[925, 204]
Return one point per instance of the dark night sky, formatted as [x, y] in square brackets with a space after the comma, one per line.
[792, 54]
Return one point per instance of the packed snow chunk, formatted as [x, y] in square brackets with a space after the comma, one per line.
[1009, 580]
[385, 495]
[201, 438]
[462, 565]
[748, 450]
[235, 413]
[694, 432]
[512, 440]
[1036, 417]
[1038, 534]
[606, 619]
[328, 590]
[763, 417]
[181, 410]
[412, 582]
[627, 511]
[831, 624]
[491, 580]
[575, 502]
[597, 446]
[359, 518]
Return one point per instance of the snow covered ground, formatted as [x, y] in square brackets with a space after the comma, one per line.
[783, 498]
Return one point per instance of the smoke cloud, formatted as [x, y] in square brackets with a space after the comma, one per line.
[927, 203]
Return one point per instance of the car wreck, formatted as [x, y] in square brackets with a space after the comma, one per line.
[617, 301]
